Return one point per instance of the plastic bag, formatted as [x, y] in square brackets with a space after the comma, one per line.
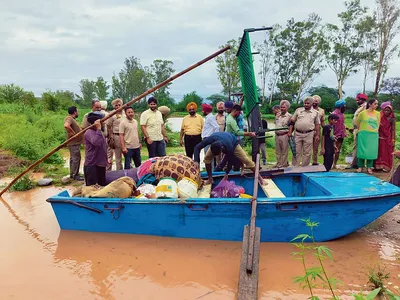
[227, 189]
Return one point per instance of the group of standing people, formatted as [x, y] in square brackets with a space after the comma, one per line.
[374, 134]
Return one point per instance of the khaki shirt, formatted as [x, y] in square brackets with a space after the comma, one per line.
[220, 121]
[306, 120]
[75, 127]
[192, 125]
[153, 121]
[282, 121]
[114, 122]
[131, 133]
[358, 111]
[321, 112]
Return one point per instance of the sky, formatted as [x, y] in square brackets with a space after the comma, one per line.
[54, 44]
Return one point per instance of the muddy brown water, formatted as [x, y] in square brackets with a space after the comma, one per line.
[38, 261]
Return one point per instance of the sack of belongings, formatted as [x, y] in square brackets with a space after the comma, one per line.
[123, 187]
[176, 167]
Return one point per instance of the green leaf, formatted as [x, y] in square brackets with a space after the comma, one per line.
[301, 237]
[373, 294]
[326, 250]
[298, 279]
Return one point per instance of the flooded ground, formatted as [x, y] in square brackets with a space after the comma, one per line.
[37, 261]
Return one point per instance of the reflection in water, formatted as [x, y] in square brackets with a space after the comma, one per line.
[89, 265]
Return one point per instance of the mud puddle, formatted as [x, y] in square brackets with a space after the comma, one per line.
[37, 261]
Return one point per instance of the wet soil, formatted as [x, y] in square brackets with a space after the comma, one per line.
[8, 161]
[38, 261]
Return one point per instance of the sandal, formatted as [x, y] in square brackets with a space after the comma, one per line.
[369, 171]
[359, 170]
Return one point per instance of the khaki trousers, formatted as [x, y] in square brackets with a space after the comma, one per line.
[354, 163]
[315, 151]
[118, 154]
[304, 144]
[282, 150]
[239, 153]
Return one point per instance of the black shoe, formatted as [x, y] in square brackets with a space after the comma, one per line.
[79, 178]
[315, 164]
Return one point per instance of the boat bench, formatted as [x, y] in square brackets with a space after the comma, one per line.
[270, 189]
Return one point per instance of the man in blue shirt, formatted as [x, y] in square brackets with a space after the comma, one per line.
[227, 143]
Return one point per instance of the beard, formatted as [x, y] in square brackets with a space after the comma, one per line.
[221, 112]
[153, 108]
[192, 113]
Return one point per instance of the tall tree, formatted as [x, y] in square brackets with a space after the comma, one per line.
[102, 87]
[191, 97]
[387, 14]
[367, 31]
[161, 70]
[346, 53]
[391, 86]
[88, 90]
[215, 98]
[11, 93]
[228, 68]
[299, 56]
[267, 59]
[131, 81]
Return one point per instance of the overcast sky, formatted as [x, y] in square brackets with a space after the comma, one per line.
[54, 44]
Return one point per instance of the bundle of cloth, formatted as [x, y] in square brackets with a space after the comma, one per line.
[123, 187]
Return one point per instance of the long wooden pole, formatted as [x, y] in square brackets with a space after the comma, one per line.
[115, 112]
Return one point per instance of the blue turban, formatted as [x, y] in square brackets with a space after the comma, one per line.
[340, 103]
[229, 104]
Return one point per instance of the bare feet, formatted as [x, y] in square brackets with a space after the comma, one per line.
[359, 170]
[369, 170]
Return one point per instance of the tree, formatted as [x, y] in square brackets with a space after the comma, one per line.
[228, 68]
[132, 80]
[215, 98]
[50, 101]
[367, 30]
[29, 99]
[267, 59]
[88, 90]
[191, 97]
[11, 93]
[65, 99]
[299, 56]
[387, 13]
[101, 88]
[391, 86]
[346, 53]
[161, 70]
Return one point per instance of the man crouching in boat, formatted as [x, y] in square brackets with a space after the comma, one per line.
[227, 143]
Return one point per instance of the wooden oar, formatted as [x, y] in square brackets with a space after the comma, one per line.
[115, 112]
[248, 274]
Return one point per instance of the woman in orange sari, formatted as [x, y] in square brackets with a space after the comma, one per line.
[387, 135]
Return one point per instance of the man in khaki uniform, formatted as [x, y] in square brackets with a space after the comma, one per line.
[361, 100]
[281, 136]
[129, 138]
[74, 146]
[113, 136]
[306, 122]
[321, 111]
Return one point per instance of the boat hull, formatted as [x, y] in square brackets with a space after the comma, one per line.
[220, 219]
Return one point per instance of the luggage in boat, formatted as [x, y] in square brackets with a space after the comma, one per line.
[187, 188]
[176, 167]
[123, 187]
[167, 188]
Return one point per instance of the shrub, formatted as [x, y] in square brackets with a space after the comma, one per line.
[23, 184]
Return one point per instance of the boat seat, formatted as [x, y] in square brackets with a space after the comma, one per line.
[270, 189]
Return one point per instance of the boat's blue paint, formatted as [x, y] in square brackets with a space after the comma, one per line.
[340, 202]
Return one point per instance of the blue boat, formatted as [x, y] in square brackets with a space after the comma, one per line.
[340, 202]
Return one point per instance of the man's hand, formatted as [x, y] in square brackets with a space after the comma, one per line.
[226, 177]
[149, 141]
[98, 124]
[124, 150]
[166, 139]
[210, 180]
[317, 139]
[181, 143]
[250, 134]
[322, 151]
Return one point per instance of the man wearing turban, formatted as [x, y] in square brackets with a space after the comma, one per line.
[113, 136]
[281, 136]
[339, 129]
[321, 111]
[192, 127]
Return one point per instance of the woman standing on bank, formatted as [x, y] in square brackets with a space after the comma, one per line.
[367, 138]
[387, 135]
